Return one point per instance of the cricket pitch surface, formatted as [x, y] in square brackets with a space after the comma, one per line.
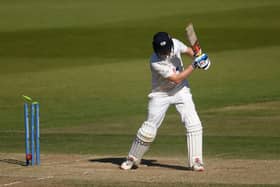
[77, 170]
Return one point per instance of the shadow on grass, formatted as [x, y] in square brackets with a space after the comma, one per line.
[13, 161]
[150, 163]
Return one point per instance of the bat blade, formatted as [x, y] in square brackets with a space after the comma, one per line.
[193, 40]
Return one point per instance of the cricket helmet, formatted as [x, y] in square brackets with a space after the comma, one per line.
[162, 43]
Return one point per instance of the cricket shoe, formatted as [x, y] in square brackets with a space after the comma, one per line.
[198, 166]
[130, 163]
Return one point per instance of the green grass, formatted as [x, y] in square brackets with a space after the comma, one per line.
[118, 39]
[87, 63]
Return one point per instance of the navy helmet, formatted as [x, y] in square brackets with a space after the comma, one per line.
[162, 43]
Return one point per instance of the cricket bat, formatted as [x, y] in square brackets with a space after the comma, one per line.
[193, 40]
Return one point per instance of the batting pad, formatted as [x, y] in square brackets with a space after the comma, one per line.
[138, 149]
[194, 142]
[147, 132]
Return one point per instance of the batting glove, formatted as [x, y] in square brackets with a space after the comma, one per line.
[202, 62]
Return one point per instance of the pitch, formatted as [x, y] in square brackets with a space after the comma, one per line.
[84, 170]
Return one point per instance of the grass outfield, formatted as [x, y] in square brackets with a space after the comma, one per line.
[87, 63]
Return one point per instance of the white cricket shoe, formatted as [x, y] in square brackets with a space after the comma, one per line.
[129, 163]
[198, 166]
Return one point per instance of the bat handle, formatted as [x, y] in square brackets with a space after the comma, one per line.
[197, 49]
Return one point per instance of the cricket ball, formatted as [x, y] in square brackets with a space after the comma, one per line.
[29, 157]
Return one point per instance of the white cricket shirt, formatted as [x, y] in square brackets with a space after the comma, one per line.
[163, 68]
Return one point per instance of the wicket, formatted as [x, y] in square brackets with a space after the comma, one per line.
[32, 117]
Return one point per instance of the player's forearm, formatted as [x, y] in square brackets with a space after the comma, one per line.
[177, 78]
[190, 52]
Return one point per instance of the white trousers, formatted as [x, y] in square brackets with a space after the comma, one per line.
[158, 105]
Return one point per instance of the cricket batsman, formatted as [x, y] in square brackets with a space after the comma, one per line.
[170, 87]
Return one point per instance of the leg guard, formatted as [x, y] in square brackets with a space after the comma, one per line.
[194, 142]
[145, 136]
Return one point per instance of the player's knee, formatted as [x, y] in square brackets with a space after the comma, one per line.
[147, 132]
[192, 127]
[195, 128]
[192, 123]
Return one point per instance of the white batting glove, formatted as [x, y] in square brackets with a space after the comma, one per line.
[202, 62]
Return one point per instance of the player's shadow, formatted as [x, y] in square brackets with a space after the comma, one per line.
[13, 161]
[150, 163]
